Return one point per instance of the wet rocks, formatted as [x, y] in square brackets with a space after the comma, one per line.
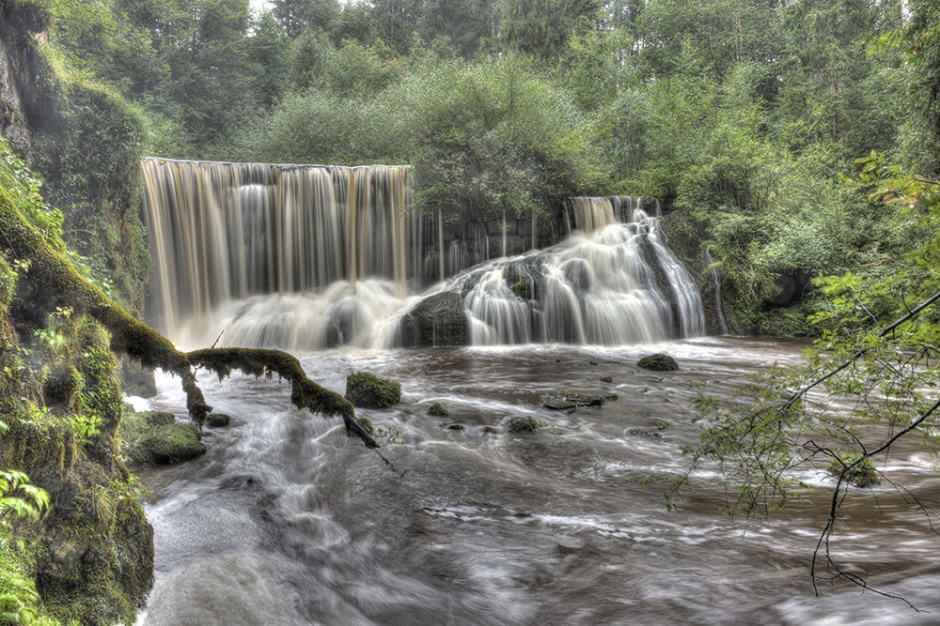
[155, 438]
[567, 400]
[437, 321]
[658, 363]
[218, 420]
[368, 391]
[438, 410]
[522, 424]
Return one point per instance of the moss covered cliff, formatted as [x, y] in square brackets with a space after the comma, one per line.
[84, 137]
[91, 554]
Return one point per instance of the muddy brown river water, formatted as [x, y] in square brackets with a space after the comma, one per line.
[288, 521]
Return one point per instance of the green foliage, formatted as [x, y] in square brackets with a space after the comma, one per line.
[24, 185]
[519, 146]
[19, 600]
[875, 365]
[543, 28]
[854, 468]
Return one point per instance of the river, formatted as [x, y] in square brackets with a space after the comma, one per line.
[286, 520]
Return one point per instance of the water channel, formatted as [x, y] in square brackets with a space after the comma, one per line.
[286, 520]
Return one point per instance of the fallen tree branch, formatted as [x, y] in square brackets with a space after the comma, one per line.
[54, 278]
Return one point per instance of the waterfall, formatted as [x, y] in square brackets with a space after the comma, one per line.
[716, 284]
[613, 283]
[310, 257]
[223, 232]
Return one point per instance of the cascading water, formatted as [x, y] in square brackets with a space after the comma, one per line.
[613, 283]
[309, 257]
[716, 285]
[224, 232]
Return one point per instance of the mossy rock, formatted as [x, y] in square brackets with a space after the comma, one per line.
[173, 443]
[155, 438]
[522, 424]
[658, 363]
[438, 410]
[862, 475]
[368, 391]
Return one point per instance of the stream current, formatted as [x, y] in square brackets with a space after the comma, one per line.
[286, 520]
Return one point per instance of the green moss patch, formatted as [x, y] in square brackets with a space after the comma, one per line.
[438, 410]
[369, 391]
[155, 438]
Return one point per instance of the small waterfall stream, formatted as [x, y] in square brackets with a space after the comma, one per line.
[716, 285]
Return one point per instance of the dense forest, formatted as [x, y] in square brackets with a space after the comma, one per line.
[798, 141]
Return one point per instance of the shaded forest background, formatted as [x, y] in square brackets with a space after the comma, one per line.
[743, 114]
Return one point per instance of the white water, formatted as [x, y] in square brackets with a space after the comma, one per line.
[223, 232]
[307, 258]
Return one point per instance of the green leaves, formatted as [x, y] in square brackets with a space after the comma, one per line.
[19, 498]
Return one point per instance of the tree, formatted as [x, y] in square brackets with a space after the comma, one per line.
[878, 351]
[832, 96]
[722, 33]
[494, 138]
[542, 27]
[463, 24]
[296, 16]
[269, 62]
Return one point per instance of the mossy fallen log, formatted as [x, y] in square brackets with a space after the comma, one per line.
[54, 281]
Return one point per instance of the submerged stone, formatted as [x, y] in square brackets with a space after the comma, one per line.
[522, 424]
[368, 391]
[658, 363]
[437, 409]
[566, 400]
[218, 420]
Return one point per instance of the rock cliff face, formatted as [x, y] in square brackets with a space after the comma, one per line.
[12, 118]
[24, 104]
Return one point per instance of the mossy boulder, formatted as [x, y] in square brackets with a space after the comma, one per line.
[155, 438]
[658, 363]
[437, 321]
[173, 443]
[368, 391]
[438, 410]
[522, 424]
